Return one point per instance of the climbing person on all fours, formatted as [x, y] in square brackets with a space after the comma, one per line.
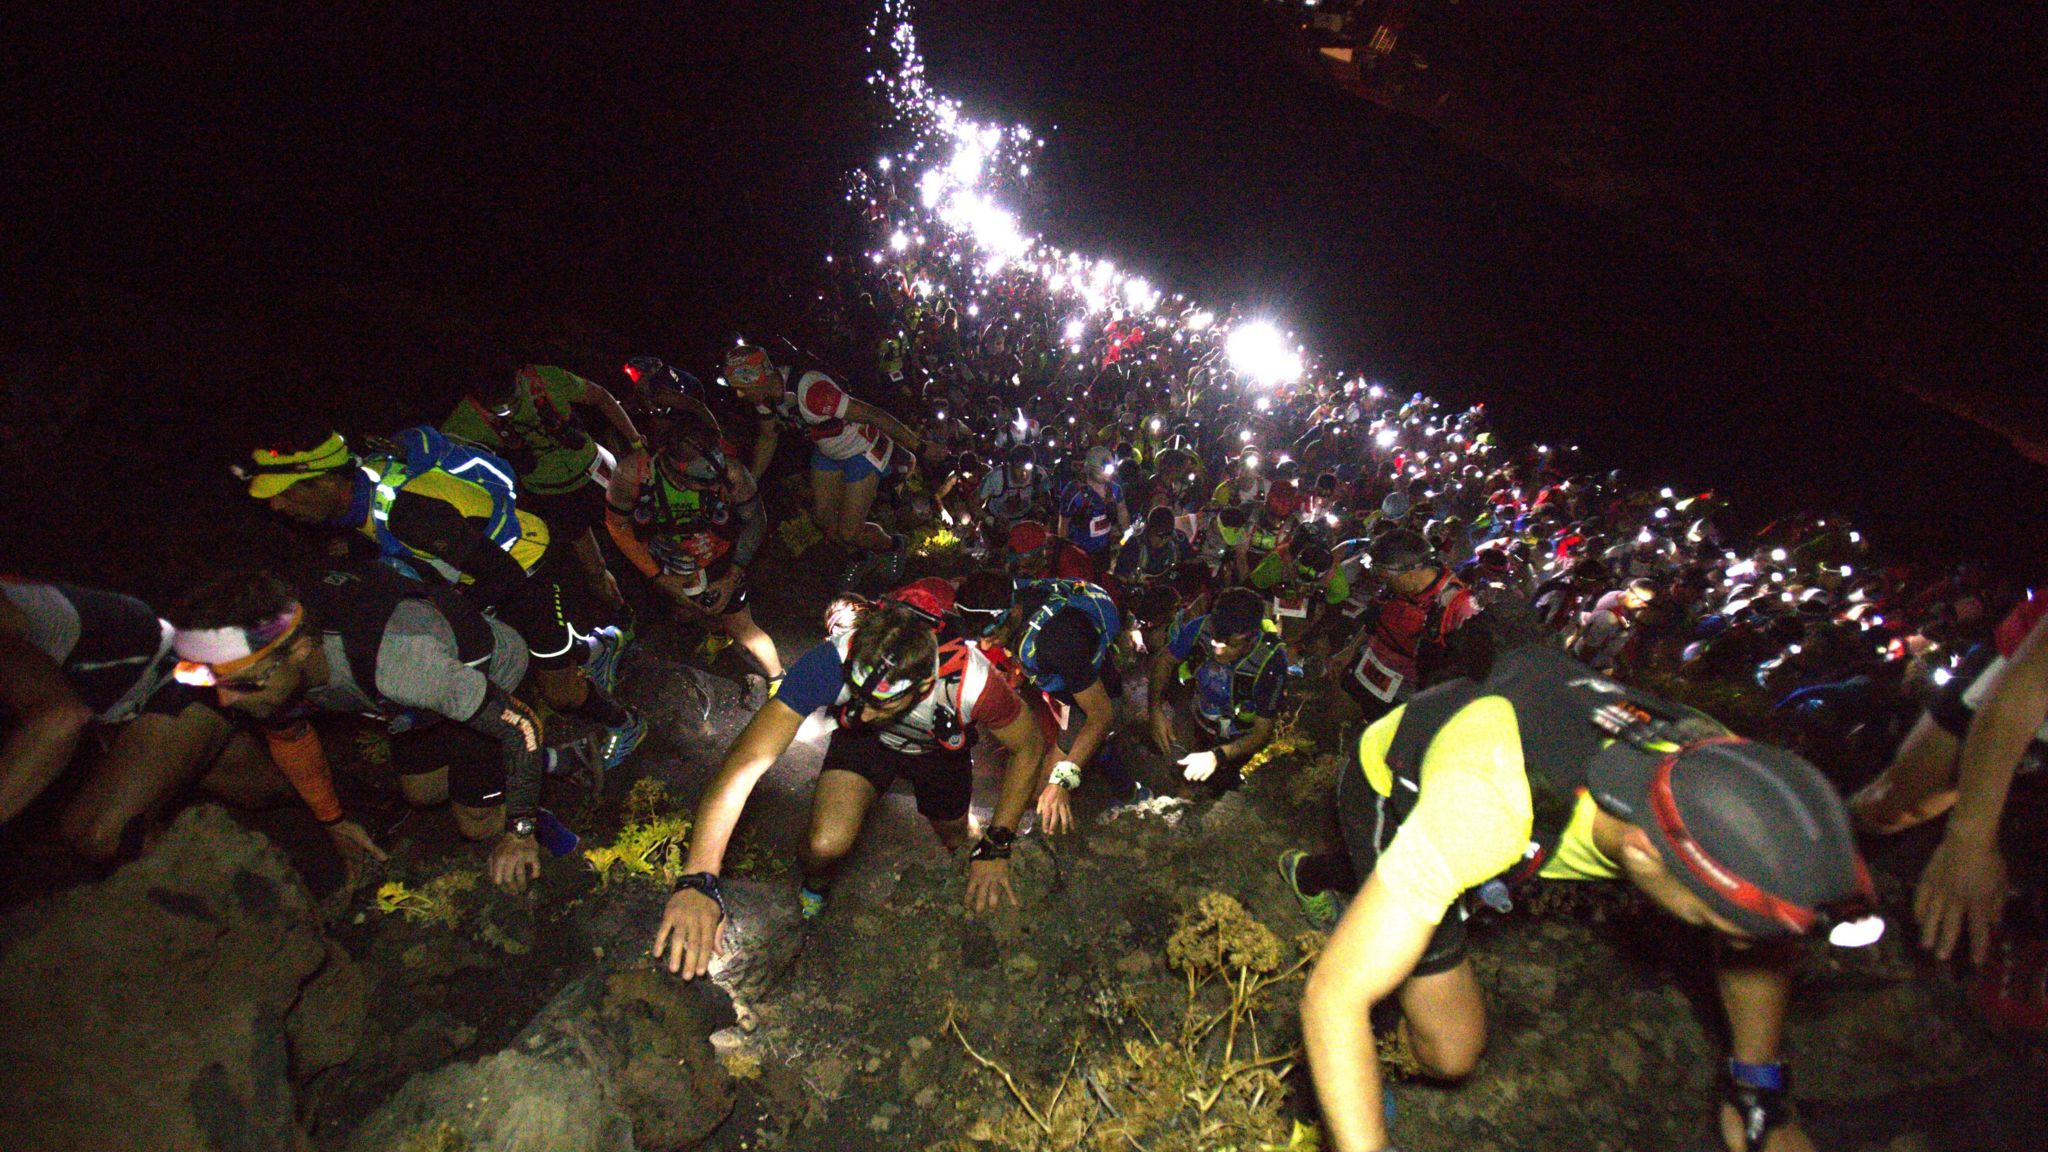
[905, 695]
[1548, 771]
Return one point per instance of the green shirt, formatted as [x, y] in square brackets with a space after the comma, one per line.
[1278, 570]
[560, 451]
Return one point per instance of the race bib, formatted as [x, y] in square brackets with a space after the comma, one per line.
[1294, 606]
[1099, 526]
[1383, 682]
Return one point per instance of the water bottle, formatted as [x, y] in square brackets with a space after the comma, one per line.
[554, 835]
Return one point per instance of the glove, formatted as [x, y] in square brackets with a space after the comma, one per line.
[1198, 765]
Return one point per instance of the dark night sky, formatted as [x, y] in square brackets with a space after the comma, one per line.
[222, 220]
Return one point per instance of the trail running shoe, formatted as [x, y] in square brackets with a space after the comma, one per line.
[619, 742]
[812, 903]
[603, 665]
[1320, 910]
[895, 561]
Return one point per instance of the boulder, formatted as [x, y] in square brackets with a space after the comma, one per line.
[763, 936]
[175, 1004]
[620, 1061]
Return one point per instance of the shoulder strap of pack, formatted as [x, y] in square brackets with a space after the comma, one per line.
[1424, 716]
[543, 400]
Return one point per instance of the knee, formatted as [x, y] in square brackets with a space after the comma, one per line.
[479, 823]
[424, 789]
[564, 689]
[951, 833]
[1452, 1057]
[827, 846]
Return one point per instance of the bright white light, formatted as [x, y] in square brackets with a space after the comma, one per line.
[1139, 294]
[1942, 676]
[1665, 493]
[1263, 404]
[1857, 933]
[1200, 319]
[1074, 329]
[1778, 555]
[1385, 439]
[899, 241]
[883, 163]
[1376, 392]
[1855, 537]
[1245, 435]
[1259, 351]
[1847, 571]
[1663, 513]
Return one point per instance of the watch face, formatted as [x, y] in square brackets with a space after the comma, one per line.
[522, 827]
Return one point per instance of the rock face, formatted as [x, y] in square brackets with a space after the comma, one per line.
[175, 1004]
[620, 1061]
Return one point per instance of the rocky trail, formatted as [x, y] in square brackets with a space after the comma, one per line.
[1142, 994]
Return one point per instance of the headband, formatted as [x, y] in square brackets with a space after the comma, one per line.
[205, 655]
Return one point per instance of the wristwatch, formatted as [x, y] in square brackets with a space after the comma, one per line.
[523, 826]
[994, 844]
[705, 882]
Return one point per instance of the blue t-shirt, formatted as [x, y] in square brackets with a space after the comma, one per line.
[1091, 519]
[1213, 703]
[814, 681]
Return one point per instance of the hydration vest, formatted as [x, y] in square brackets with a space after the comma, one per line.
[555, 429]
[1554, 698]
[356, 605]
[684, 529]
[935, 723]
[1385, 683]
[430, 463]
[1059, 596]
[1244, 675]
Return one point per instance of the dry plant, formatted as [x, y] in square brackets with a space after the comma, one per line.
[1288, 738]
[1206, 1086]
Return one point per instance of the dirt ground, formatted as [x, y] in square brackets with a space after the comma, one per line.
[899, 1020]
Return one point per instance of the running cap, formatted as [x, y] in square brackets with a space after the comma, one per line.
[276, 469]
[1752, 829]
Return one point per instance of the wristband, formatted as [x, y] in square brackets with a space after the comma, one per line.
[1769, 1077]
[705, 882]
[994, 844]
[1761, 1095]
[1067, 775]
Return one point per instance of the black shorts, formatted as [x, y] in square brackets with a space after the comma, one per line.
[540, 614]
[568, 514]
[1368, 829]
[475, 763]
[943, 782]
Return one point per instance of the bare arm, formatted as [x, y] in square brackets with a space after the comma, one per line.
[765, 738]
[1375, 947]
[866, 413]
[1101, 711]
[1020, 776]
[765, 438]
[1964, 884]
[48, 719]
[1998, 737]
[1755, 981]
[1246, 746]
[600, 398]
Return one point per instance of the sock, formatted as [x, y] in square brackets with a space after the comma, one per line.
[1327, 872]
[601, 708]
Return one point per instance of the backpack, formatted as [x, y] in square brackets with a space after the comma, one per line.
[423, 448]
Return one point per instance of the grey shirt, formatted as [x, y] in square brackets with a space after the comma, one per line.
[418, 667]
